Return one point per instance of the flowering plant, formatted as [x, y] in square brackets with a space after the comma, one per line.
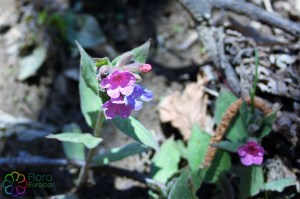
[110, 90]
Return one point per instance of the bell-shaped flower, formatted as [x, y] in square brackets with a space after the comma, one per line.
[116, 106]
[117, 83]
[251, 153]
[136, 98]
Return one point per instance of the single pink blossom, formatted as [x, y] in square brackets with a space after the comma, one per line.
[116, 106]
[251, 153]
[119, 82]
[145, 68]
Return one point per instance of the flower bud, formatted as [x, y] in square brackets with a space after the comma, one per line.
[145, 68]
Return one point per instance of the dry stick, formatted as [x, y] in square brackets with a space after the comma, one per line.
[200, 9]
[42, 162]
[227, 118]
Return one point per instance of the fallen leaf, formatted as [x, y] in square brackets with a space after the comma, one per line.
[184, 110]
[30, 64]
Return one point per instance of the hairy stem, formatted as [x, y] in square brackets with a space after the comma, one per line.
[84, 170]
[254, 85]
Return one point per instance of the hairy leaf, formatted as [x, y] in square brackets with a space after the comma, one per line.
[90, 102]
[197, 147]
[119, 153]
[87, 139]
[134, 129]
[140, 54]
[165, 162]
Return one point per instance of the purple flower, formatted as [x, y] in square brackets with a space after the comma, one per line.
[119, 82]
[136, 98]
[116, 106]
[251, 153]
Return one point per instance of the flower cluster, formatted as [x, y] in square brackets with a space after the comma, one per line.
[251, 153]
[120, 84]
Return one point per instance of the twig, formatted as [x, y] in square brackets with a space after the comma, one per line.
[268, 5]
[201, 8]
[37, 161]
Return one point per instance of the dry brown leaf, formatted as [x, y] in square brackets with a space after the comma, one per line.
[184, 110]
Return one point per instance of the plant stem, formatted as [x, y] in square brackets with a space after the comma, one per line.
[84, 170]
[254, 85]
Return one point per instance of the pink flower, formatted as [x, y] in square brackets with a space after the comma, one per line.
[116, 106]
[119, 82]
[251, 153]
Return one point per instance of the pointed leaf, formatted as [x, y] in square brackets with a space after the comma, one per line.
[140, 54]
[74, 151]
[119, 153]
[220, 164]
[134, 129]
[187, 184]
[87, 139]
[228, 146]
[197, 147]
[236, 131]
[88, 70]
[90, 102]
[252, 181]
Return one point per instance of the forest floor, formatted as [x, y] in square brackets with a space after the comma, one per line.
[48, 98]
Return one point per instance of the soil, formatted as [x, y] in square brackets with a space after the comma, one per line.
[51, 96]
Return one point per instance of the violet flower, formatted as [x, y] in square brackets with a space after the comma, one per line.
[251, 153]
[116, 106]
[136, 98]
[119, 82]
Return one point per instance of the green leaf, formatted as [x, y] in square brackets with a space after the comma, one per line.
[236, 131]
[73, 151]
[119, 153]
[88, 70]
[30, 64]
[228, 146]
[87, 139]
[102, 62]
[197, 147]
[220, 164]
[165, 162]
[280, 184]
[268, 122]
[252, 181]
[134, 129]
[90, 102]
[224, 100]
[186, 185]
[140, 54]
[182, 149]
